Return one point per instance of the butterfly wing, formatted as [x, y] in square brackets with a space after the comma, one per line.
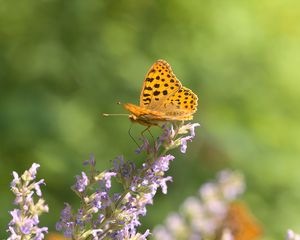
[241, 223]
[181, 105]
[163, 98]
[160, 83]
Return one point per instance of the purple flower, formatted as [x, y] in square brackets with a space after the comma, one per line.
[190, 127]
[25, 220]
[183, 143]
[82, 182]
[91, 161]
[162, 163]
[185, 129]
[107, 178]
[33, 170]
[16, 179]
[66, 223]
[168, 136]
[40, 233]
[163, 184]
[26, 226]
[37, 187]
[13, 234]
[104, 214]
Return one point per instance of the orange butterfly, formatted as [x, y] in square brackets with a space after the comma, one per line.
[241, 223]
[163, 98]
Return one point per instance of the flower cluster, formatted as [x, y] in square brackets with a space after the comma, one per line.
[25, 219]
[103, 214]
[291, 235]
[107, 215]
[202, 217]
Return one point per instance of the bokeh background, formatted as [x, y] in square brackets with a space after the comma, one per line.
[63, 63]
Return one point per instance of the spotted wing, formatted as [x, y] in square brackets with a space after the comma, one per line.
[181, 105]
[160, 83]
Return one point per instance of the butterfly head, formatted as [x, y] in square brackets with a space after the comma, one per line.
[141, 120]
[132, 117]
[140, 115]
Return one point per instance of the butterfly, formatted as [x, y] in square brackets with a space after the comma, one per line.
[163, 98]
[241, 223]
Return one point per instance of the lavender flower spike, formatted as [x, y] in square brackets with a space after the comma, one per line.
[106, 214]
[25, 219]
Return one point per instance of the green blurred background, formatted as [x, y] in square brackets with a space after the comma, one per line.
[63, 63]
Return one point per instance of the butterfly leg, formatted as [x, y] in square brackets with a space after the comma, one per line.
[129, 132]
[148, 130]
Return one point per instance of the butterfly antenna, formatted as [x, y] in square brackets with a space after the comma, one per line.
[114, 114]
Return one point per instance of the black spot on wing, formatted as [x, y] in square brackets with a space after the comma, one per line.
[156, 93]
[149, 79]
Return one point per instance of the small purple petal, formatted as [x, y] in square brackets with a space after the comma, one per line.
[16, 179]
[37, 187]
[82, 182]
[14, 235]
[40, 233]
[16, 214]
[184, 140]
[162, 164]
[27, 226]
[107, 178]
[163, 184]
[91, 161]
[145, 235]
[192, 128]
[33, 169]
